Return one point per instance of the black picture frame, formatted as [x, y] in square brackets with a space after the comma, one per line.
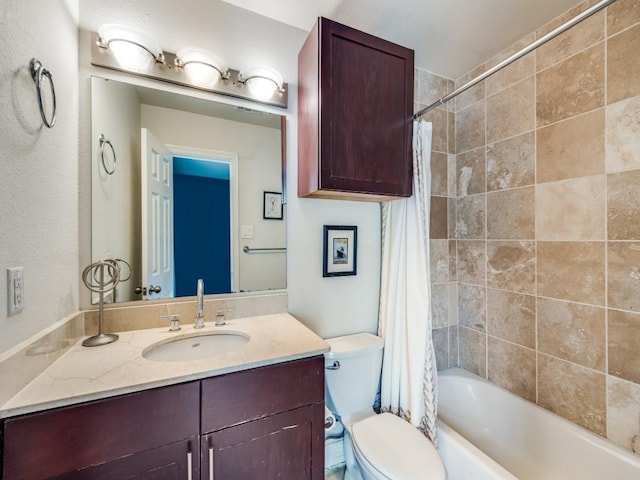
[340, 250]
[272, 206]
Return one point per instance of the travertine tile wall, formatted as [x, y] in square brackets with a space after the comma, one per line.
[429, 88]
[547, 228]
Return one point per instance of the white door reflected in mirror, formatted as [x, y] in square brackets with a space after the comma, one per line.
[157, 217]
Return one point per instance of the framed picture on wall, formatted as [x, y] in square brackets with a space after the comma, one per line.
[272, 206]
[340, 249]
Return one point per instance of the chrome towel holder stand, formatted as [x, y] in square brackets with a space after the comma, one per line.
[102, 277]
[39, 73]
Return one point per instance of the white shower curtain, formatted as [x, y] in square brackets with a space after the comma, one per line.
[408, 381]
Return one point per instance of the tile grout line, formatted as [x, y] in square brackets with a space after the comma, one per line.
[535, 229]
[606, 230]
[486, 235]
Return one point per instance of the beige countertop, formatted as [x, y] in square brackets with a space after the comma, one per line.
[90, 373]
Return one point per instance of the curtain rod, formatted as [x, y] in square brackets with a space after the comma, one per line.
[521, 53]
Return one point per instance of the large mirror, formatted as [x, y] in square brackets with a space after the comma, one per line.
[185, 188]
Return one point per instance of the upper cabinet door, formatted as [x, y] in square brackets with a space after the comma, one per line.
[355, 108]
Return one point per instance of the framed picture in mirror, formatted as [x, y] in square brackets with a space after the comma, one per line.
[272, 206]
[340, 249]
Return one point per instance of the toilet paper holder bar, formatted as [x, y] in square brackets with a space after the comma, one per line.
[335, 366]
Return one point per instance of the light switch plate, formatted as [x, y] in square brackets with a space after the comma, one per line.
[246, 231]
[15, 290]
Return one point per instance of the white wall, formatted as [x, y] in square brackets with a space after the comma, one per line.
[329, 306]
[116, 197]
[38, 166]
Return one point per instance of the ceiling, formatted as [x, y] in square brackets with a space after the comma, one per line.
[449, 37]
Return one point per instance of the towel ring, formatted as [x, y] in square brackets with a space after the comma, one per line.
[103, 142]
[105, 274]
[37, 72]
[121, 262]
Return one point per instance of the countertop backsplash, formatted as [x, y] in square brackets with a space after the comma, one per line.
[119, 318]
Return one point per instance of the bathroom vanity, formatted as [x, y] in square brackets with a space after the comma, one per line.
[230, 422]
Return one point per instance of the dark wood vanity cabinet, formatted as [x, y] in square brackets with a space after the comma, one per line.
[278, 414]
[264, 423]
[355, 108]
[99, 440]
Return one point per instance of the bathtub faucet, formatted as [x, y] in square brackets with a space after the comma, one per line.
[200, 301]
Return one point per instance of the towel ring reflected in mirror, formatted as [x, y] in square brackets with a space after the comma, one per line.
[103, 142]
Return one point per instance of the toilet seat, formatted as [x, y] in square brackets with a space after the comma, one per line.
[395, 449]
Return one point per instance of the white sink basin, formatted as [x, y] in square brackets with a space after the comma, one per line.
[195, 346]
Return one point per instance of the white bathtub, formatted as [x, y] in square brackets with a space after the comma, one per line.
[487, 432]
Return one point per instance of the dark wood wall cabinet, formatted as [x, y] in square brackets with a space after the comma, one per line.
[265, 423]
[355, 109]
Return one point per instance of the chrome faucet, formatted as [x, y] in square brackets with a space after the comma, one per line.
[200, 301]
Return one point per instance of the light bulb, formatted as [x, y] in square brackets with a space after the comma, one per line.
[132, 50]
[202, 68]
[262, 82]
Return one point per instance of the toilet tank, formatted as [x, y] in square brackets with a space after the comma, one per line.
[351, 388]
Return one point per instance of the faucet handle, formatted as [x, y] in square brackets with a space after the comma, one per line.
[220, 316]
[175, 321]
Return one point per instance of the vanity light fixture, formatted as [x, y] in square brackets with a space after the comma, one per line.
[203, 68]
[133, 50]
[263, 82]
[123, 49]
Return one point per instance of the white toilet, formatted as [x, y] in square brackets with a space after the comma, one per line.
[376, 447]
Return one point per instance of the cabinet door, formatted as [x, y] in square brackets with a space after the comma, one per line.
[171, 462]
[235, 398]
[355, 115]
[283, 446]
[69, 439]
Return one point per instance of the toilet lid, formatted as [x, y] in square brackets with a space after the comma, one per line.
[397, 449]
